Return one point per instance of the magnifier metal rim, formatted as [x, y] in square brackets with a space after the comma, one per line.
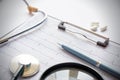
[70, 65]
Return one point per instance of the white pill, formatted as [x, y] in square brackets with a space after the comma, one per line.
[102, 29]
[95, 24]
[93, 28]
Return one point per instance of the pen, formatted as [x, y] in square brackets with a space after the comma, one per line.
[91, 61]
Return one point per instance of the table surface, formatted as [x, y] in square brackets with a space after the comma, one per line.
[42, 43]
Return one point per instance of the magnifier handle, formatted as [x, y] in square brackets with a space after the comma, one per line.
[18, 73]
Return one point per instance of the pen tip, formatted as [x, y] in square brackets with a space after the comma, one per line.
[59, 44]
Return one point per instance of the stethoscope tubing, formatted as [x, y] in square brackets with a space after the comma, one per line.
[42, 20]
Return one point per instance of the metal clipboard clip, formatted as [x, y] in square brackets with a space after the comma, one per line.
[100, 43]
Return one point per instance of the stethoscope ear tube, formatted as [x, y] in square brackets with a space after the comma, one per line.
[70, 65]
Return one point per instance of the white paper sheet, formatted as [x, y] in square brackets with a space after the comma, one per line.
[43, 44]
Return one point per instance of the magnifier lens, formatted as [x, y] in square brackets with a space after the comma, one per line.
[70, 74]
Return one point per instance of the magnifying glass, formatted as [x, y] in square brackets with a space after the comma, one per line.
[70, 71]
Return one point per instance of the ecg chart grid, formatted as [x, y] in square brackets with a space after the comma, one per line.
[43, 44]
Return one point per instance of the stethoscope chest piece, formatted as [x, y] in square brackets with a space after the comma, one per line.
[31, 64]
